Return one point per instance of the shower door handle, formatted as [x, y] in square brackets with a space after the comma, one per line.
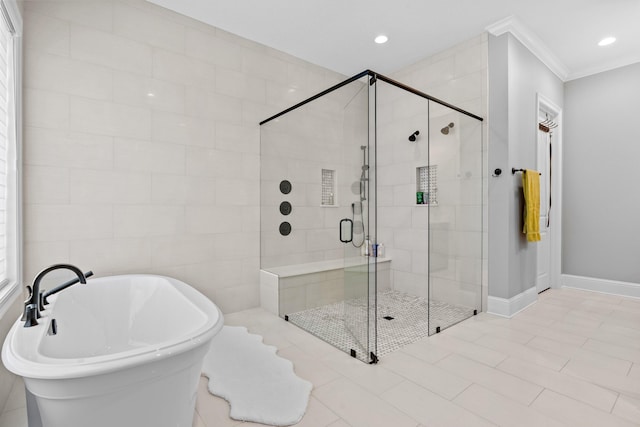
[346, 227]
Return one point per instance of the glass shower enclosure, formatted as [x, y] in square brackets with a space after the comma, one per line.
[371, 215]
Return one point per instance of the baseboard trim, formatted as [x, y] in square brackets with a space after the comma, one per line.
[604, 286]
[512, 306]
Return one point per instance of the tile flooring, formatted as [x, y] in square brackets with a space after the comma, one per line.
[344, 324]
[571, 359]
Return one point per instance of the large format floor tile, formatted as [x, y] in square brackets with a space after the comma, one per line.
[359, 407]
[573, 413]
[501, 410]
[571, 359]
[510, 386]
[431, 409]
[576, 388]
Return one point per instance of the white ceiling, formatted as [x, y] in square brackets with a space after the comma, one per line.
[338, 34]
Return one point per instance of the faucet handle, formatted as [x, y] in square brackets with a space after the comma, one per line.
[26, 303]
[31, 312]
[41, 301]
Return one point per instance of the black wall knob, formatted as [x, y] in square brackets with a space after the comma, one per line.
[285, 208]
[285, 228]
[285, 187]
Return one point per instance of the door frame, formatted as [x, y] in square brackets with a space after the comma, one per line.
[555, 243]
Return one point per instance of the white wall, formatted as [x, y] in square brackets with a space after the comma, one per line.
[458, 76]
[601, 174]
[402, 225]
[297, 145]
[117, 180]
[516, 77]
[326, 133]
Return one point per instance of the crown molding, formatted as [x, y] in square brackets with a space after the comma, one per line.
[531, 41]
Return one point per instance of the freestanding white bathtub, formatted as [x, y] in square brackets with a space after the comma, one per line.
[128, 352]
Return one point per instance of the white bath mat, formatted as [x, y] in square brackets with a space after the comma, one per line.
[259, 385]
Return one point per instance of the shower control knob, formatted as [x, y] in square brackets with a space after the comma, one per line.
[285, 187]
[285, 208]
[285, 228]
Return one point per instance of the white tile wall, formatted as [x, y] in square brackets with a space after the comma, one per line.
[178, 68]
[49, 185]
[106, 49]
[52, 35]
[45, 109]
[141, 127]
[458, 76]
[53, 222]
[91, 13]
[133, 24]
[141, 143]
[67, 75]
[296, 147]
[66, 149]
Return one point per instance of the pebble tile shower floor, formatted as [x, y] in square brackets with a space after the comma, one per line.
[410, 321]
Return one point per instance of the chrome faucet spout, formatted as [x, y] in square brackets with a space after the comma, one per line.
[36, 303]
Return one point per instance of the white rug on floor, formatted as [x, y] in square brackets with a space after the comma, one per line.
[259, 385]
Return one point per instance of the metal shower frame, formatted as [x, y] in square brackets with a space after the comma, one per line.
[373, 77]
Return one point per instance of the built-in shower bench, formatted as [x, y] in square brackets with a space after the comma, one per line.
[292, 288]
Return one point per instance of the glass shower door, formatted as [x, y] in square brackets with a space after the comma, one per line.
[357, 305]
[359, 272]
[455, 222]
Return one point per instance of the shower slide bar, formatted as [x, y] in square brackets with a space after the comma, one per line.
[374, 76]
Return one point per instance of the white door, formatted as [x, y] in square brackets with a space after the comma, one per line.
[543, 246]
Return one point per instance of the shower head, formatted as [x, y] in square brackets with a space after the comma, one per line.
[413, 136]
[445, 130]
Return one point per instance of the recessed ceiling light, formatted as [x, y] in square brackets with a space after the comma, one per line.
[151, 94]
[606, 41]
[381, 39]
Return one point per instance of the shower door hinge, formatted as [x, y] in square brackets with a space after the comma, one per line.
[372, 80]
[286, 317]
[353, 353]
[374, 358]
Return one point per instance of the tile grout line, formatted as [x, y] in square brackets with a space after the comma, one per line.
[628, 374]
[470, 411]
[536, 398]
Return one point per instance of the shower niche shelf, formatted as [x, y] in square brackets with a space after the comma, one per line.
[328, 183]
[427, 185]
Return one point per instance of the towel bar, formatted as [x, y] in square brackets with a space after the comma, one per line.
[514, 170]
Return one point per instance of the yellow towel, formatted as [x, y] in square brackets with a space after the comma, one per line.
[531, 189]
